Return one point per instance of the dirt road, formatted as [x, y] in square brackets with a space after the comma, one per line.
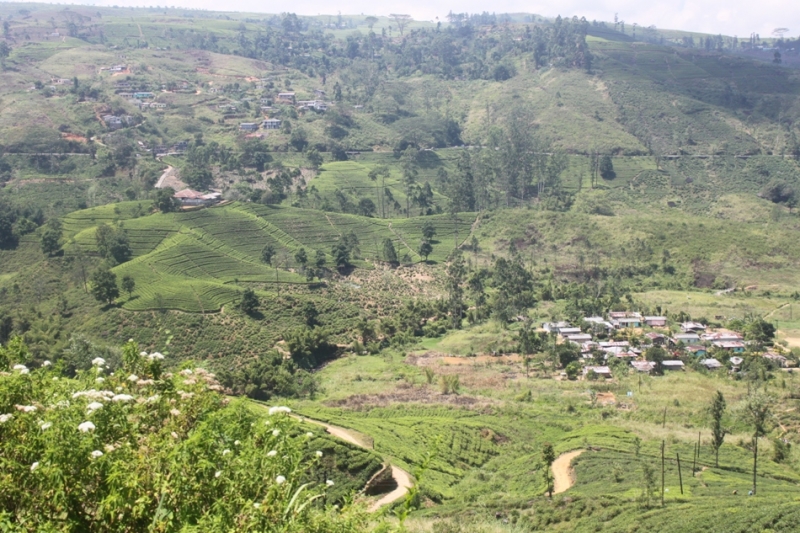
[401, 477]
[563, 476]
[403, 480]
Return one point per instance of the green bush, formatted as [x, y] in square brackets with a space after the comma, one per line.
[146, 452]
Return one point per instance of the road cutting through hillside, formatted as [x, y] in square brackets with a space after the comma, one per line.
[563, 476]
[400, 476]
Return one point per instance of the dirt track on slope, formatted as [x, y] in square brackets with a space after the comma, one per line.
[401, 477]
[563, 476]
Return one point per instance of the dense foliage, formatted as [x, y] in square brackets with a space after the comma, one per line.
[143, 450]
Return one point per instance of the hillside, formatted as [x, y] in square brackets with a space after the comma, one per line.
[478, 245]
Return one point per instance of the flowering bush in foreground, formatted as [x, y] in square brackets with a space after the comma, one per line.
[144, 450]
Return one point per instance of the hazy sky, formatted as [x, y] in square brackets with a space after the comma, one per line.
[730, 17]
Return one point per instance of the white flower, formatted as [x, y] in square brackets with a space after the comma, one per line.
[109, 448]
[34, 466]
[5, 418]
[330, 483]
[133, 377]
[99, 380]
[99, 369]
[96, 454]
[272, 453]
[257, 505]
[118, 389]
[45, 426]
[319, 453]
[218, 473]
[86, 426]
[156, 356]
[266, 422]
[236, 443]
[22, 369]
[98, 361]
[280, 479]
[225, 452]
[122, 398]
[281, 409]
[55, 379]
[47, 363]
[276, 432]
[94, 406]
[143, 354]
[185, 372]
[174, 412]
[309, 434]
[154, 398]
[174, 435]
[26, 408]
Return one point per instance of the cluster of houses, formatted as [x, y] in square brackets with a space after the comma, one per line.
[693, 339]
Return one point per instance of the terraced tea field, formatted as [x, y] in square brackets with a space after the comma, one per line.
[197, 261]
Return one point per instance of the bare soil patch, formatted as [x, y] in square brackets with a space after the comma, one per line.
[563, 474]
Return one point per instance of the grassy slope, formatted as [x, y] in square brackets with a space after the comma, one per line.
[487, 443]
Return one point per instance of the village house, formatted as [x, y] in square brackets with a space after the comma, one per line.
[607, 344]
[656, 321]
[271, 124]
[736, 361]
[697, 351]
[189, 197]
[730, 346]
[722, 336]
[565, 332]
[685, 338]
[711, 364]
[143, 94]
[286, 98]
[656, 339]
[627, 322]
[319, 93]
[579, 338]
[248, 126]
[601, 371]
[692, 327]
[624, 314]
[598, 323]
[672, 365]
[643, 366]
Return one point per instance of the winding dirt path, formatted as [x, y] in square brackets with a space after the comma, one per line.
[401, 477]
[563, 476]
[403, 480]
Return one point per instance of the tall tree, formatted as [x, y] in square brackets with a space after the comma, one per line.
[51, 239]
[389, 253]
[757, 411]
[548, 458]
[104, 285]
[425, 249]
[249, 302]
[128, 285]
[456, 273]
[410, 172]
[717, 410]
[402, 21]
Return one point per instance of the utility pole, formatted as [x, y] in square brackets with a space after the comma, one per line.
[680, 474]
[662, 472]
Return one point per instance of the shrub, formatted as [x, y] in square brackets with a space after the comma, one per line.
[158, 453]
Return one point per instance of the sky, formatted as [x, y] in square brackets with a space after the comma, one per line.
[728, 17]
